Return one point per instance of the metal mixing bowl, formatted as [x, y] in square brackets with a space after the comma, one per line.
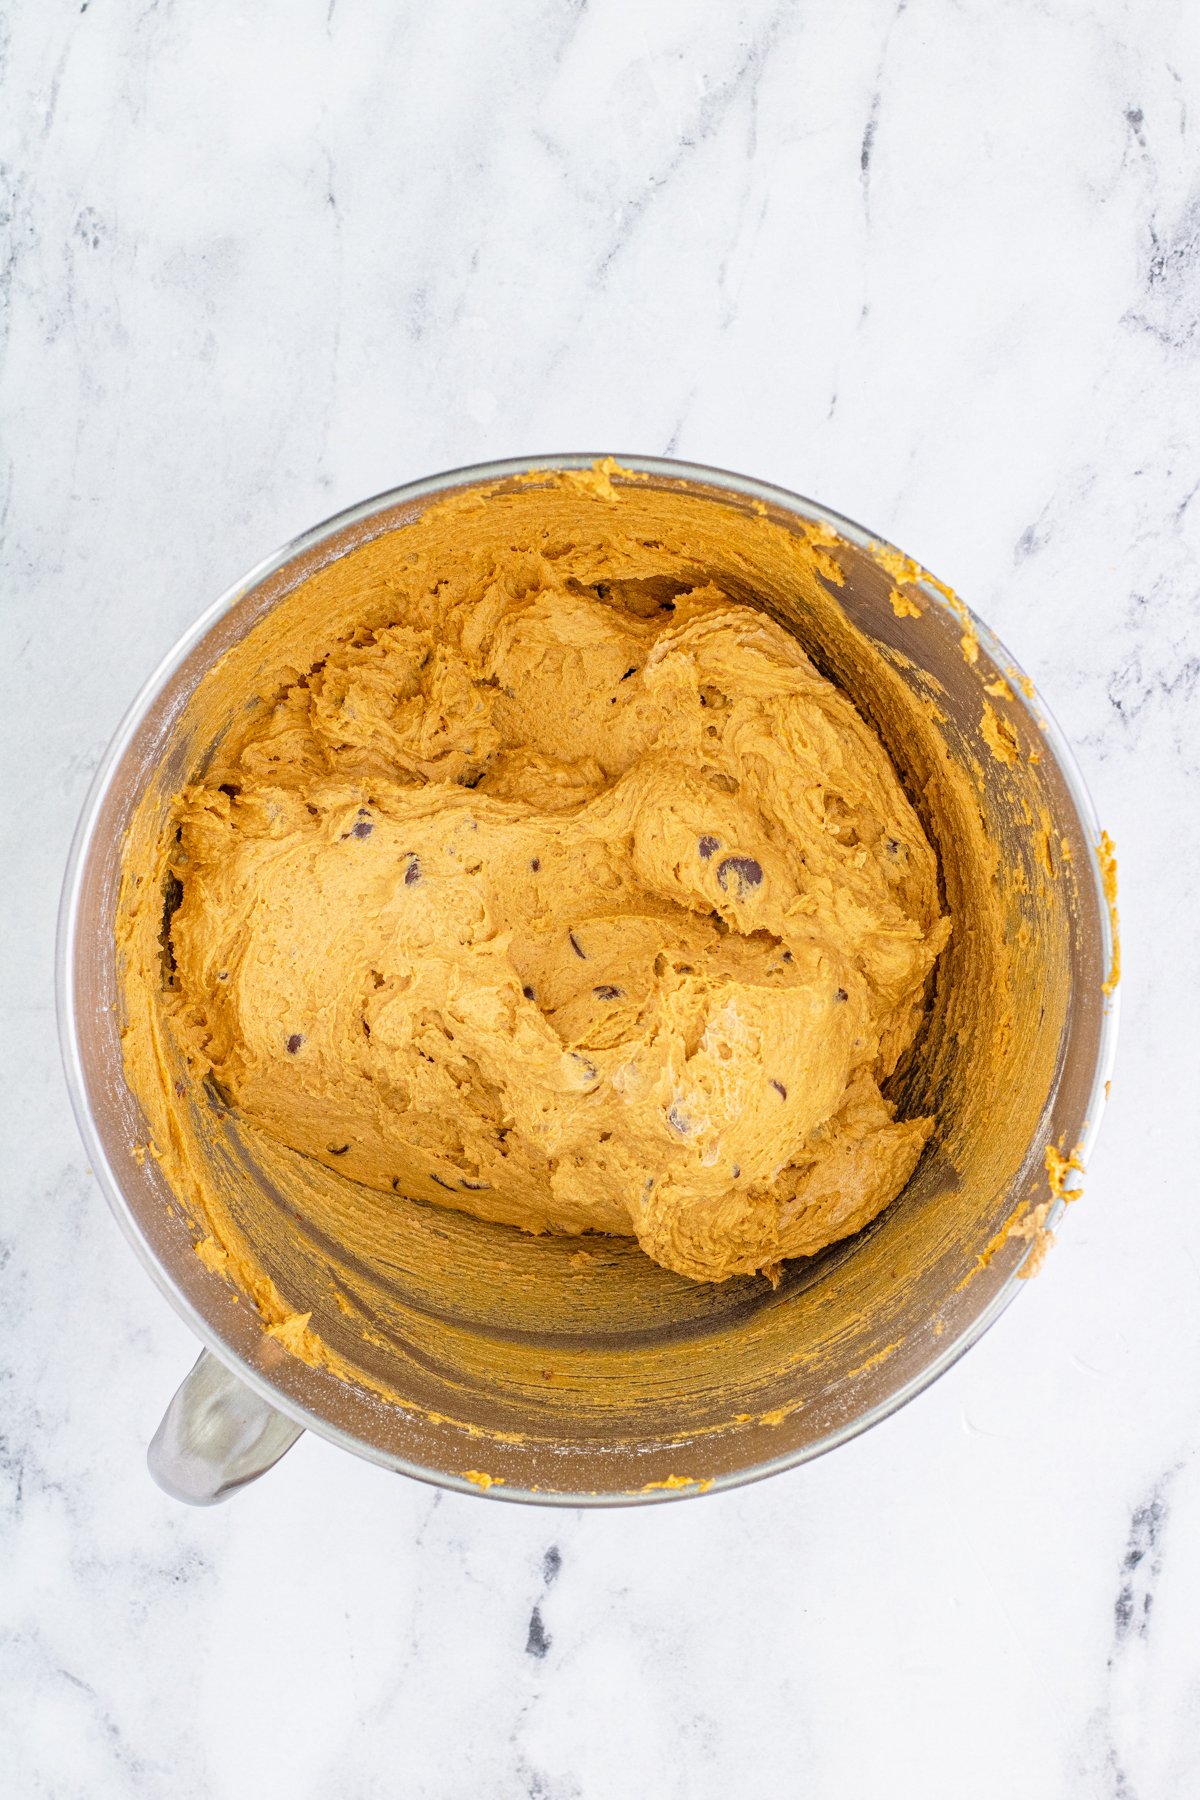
[630, 1384]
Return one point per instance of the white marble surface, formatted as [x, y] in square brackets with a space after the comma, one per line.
[935, 263]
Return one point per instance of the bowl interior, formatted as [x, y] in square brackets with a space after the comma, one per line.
[576, 1368]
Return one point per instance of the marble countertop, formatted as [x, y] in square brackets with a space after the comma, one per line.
[936, 264]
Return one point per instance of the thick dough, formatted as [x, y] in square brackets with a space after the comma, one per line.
[579, 907]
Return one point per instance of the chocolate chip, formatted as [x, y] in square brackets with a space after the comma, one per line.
[893, 846]
[441, 1183]
[535, 863]
[788, 957]
[412, 873]
[607, 992]
[629, 672]
[590, 1071]
[181, 1088]
[222, 974]
[678, 1120]
[294, 1043]
[395, 1184]
[577, 947]
[361, 829]
[337, 1149]
[528, 992]
[708, 846]
[475, 1186]
[779, 1088]
[737, 1169]
[840, 994]
[741, 874]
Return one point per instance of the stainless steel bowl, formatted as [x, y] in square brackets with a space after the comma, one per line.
[644, 1387]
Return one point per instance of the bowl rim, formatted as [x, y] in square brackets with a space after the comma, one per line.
[439, 485]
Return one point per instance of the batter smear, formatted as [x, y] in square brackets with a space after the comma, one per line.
[576, 905]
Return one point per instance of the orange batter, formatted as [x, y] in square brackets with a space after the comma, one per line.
[572, 897]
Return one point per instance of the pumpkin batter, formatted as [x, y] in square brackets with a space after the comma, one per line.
[573, 898]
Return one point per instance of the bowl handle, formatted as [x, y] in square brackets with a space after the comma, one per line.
[215, 1436]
